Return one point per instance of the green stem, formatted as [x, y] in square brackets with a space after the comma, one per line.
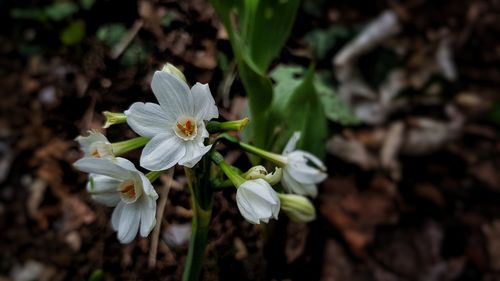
[228, 170]
[122, 147]
[153, 175]
[202, 200]
[235, 125]
[277, 159]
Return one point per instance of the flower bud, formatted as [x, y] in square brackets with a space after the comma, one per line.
[298, 208]
[171, 69]
[113, 118]
[257, 201]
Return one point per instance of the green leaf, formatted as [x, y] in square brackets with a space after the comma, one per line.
[296, 107]
[323, 40]
[167, 19]
[269, 24]
[61, 10]
[304, 113]
[29, 14]
[96, 275]
[287, 79]
[336, 110]
[257, 30]
[73, 33]
[111, 34]
[134, 54]
[87, 4]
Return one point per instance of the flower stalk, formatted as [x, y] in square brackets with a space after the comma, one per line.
[202, 201]
[235, 125]
[122, 147]
[275, 158]
[228, 170]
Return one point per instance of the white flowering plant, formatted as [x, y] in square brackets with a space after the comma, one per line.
[180, 130]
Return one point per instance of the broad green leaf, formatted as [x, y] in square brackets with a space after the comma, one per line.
[73, 33]
[257, 30]
[336, 109]
[323, 40]
[269, 24]
[296, 108]
[304, 113]
[287, 79]
[134, 54]
[111, 34]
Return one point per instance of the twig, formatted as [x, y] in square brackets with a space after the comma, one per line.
[161, 209]
[126, 40]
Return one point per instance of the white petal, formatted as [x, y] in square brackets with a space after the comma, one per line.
[126, 164]
[310, 157]
[172, 94]
[311, 190]
[102, 167]
[162, 152]
[291, 185]
[148, 119]
[264, 190]
[129, 223]
[257, 201]
[305, 174]
[194, 152]
[148, 187]
[292, 143]
[115, 217]
[204, 104]
[148, 215]
[86, 141]
[103, 189]
[245, 208]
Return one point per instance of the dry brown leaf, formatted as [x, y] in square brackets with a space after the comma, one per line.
[296, 240]
[351, 151]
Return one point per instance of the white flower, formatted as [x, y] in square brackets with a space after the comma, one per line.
[176, 126]
[257, 201]
[298, 176]
[95, 145]
[120, 184]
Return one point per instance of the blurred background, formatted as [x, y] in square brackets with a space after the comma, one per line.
[413, 145]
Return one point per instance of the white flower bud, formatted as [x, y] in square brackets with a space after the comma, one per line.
[257, 201]
[298, 208]
[171, 69]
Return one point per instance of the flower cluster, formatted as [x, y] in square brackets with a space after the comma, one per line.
[176, 131]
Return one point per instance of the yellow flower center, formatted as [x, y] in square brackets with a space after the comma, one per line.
[186, 128]
[129, 192]
[95, 153]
